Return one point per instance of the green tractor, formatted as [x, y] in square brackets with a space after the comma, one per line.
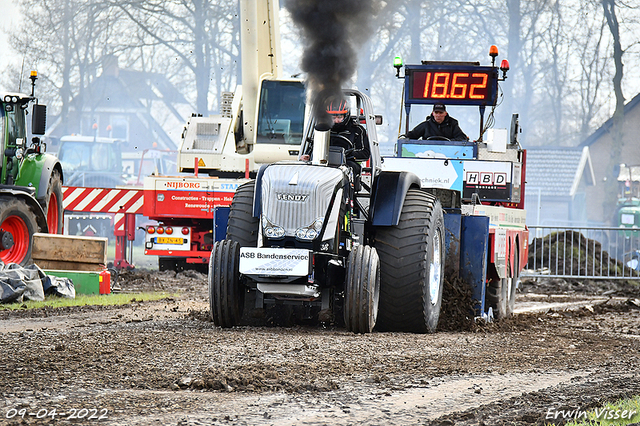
[30, 179]
[628, 208]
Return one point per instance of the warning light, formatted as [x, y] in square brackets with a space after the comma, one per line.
[397, 64]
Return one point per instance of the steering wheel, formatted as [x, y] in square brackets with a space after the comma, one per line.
[438, 138]
[340, 141]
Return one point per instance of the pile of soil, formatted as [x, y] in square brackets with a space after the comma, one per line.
[569, 286]
[571, 253]
[189, 282]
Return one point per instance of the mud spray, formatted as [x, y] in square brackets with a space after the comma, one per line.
[332, 32]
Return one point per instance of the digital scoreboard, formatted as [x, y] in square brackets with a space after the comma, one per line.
[451, 84]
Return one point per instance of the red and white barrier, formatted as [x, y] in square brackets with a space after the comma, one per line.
[123, 203]
[102, 200]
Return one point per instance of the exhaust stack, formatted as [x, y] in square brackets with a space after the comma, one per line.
[321, 138]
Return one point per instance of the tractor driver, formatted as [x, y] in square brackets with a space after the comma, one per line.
[347, 127]
[347, 133]
[438, 124]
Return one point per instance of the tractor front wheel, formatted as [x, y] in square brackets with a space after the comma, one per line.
[17, 226]
[362, 290]
[226, 292]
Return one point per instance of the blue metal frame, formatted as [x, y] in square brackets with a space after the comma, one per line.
[452, 226]
[474, 245]
[220, 219]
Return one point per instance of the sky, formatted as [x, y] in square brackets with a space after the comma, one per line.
[9, 16]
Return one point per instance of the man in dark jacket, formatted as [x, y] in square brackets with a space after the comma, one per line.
[439, 123]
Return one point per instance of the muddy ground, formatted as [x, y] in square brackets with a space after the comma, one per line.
[165, 363]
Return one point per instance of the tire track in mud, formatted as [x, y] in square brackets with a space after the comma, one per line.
[135, 361]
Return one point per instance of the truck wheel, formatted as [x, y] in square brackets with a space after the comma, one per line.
[411, 265]
[513, 284]
[501, 294]
[17, 226]
[242, 226]
[226, 293]
[55, 218]
[362, 290]
[496, 297]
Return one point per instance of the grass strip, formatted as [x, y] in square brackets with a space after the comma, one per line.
[88, 300]
[619, 413]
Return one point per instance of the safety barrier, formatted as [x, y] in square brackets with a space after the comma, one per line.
[584, 252]
[124, 204]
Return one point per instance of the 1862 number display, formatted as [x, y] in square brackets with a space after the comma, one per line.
[472, 85]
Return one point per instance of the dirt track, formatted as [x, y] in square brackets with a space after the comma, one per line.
[165, 363]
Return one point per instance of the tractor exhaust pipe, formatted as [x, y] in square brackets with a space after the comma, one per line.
[321, 138]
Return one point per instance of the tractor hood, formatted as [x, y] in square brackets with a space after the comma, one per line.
[296, 198]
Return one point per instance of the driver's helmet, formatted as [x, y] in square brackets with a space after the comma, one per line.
[338, 109]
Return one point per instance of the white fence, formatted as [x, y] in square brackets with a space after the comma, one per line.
[584, 252]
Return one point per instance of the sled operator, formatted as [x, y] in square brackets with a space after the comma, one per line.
[439, 124]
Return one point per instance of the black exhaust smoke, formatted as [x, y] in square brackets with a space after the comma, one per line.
[332, 31]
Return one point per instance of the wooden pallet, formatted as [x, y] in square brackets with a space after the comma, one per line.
[69, 252]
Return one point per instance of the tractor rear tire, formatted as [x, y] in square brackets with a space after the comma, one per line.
[242, 226]
[226, 293]
[362, 290]
[18, 224]
[412, 266]
[55, 214]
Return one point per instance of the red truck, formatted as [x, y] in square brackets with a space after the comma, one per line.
[261, 122]
[185, 209]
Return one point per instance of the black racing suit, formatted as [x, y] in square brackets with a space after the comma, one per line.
[357, 149]
[449, 129]
[357, 135]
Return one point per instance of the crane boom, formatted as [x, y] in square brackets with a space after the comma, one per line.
[260, 54]
[264, 116]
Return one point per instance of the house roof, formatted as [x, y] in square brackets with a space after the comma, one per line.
[557, 172]
[606, 127]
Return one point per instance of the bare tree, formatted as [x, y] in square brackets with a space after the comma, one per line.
[592, 48]
[609, 7]
[200, 35]
[65, 40]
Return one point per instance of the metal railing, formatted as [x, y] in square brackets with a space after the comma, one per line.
[584, 252]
